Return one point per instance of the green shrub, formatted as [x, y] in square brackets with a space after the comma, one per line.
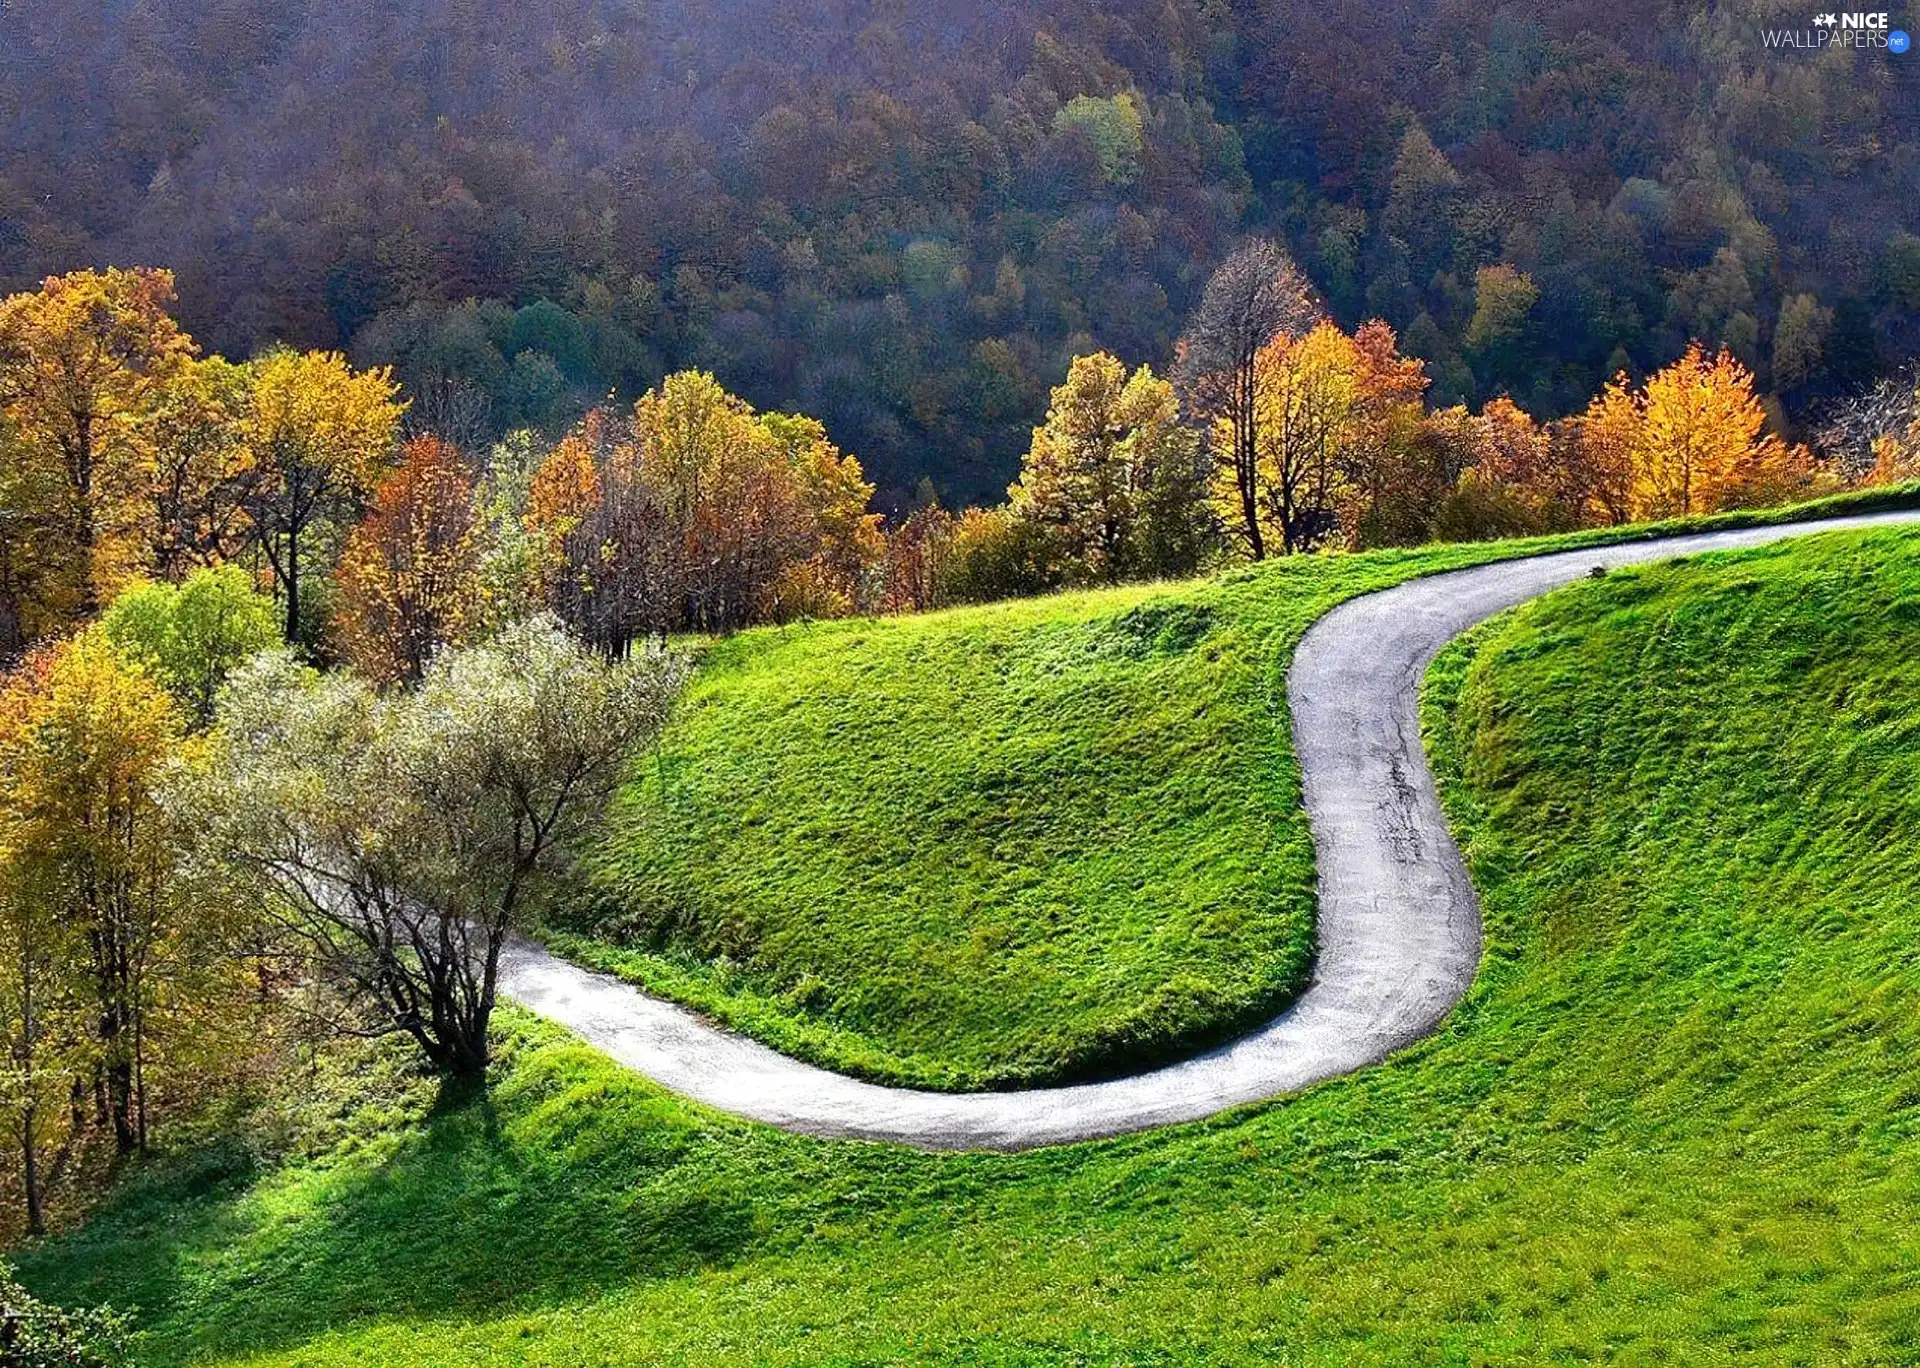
[190, 636]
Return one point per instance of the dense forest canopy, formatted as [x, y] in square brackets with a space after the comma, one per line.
[906, 219]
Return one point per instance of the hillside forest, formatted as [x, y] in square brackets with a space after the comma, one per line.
[907, 220]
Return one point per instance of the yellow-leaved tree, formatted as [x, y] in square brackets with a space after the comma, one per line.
[319, 434]
[1703, 442]
[201, 463]
[733, 510]
[841, 539]
[117, 970]
[1311, 402]
[1112, 483]
[84, 361]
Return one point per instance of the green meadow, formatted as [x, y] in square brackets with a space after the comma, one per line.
[1674, 1121]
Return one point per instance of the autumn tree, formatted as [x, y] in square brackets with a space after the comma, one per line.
[36, 1004]
[1324, 405]
[85, 742]
[1703, 440]
[118, 971]
[201, 467]
[38, 591]
[914, 562]
[407, 579]
[1514, 483]
[1895, 460]
[1873, 434]
[732, 504]
[319, 433]
[991, 554]
[1112, 481]
[83, 362]
[1385, 484]
[1606, 438]
[1256, 295]
[699, 513]
[1409, 475]
[600, 546]
[841, 543]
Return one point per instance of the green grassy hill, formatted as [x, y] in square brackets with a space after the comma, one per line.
[988, 847]
[992, 847]
[1674, 1122]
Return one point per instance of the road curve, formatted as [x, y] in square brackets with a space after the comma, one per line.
[1398, 922]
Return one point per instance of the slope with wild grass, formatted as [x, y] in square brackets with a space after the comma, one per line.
[1026, 843]
[1673, 1122]
[1030, 843]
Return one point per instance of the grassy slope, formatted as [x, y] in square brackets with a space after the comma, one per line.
[990, 847]
[1674, 1122]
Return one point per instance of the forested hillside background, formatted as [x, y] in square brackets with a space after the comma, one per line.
[905, 219]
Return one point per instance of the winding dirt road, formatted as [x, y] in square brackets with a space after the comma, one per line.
[1398, 922]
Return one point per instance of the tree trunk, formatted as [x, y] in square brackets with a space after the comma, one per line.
[1246, 459]
[30, 1167]
[293, 588]
[126, 1138]
[459, 1048]
[139, 1078]
[83, 529]
[29, 1158]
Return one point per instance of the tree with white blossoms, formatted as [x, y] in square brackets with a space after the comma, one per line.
[402, 837]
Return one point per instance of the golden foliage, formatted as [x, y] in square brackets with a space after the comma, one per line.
[1703, 443]
[1098, 484]
[700, 513]
[320, 434]
[83, 362]
[112, 964]
[1330, 409]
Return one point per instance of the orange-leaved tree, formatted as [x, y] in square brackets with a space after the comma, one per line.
[602, 555]
[319, 433]
[1703, 441]
[913, 569]
[1514, 482]
[1607, 438]
[1385, 485]
[698, 513]
[406, 581]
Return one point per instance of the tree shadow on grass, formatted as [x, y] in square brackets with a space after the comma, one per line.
[560, 1182]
